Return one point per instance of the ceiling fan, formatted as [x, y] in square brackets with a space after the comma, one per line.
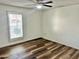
[40, 3]
[44, 3]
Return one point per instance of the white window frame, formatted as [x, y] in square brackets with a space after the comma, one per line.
[15, 26]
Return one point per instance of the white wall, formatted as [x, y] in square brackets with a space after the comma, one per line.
[31, 19]
[62, 25]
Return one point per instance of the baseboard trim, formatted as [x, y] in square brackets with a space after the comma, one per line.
[60, 43]
[10, 45]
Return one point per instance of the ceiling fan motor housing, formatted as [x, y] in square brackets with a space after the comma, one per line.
[38, 0]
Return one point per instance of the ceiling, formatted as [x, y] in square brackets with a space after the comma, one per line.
[31, 3]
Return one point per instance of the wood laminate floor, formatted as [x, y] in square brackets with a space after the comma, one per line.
[39, 49]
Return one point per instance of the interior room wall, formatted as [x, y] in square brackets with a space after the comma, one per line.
[62, 25]
[31, 24]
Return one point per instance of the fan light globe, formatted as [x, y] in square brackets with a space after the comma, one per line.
[39, 6]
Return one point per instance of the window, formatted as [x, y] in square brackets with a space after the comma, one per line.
[15, 25]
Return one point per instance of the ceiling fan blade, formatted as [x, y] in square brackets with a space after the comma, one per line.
[48, 2]
[47, 5]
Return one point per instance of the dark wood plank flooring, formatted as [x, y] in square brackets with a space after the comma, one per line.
[39, 49]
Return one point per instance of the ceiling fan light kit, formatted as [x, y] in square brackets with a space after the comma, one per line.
[39, 6]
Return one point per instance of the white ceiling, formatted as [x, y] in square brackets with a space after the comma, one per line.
[65, 2]
[31, 3]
